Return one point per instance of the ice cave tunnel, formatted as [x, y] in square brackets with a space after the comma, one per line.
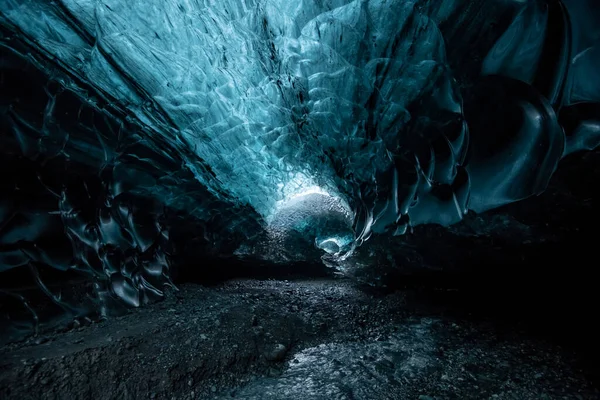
[138, 136]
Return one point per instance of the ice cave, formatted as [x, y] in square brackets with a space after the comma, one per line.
[310, 199]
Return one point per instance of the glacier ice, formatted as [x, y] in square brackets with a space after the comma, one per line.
[139, 130]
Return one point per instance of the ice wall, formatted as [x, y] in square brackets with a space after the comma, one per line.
[127, 120]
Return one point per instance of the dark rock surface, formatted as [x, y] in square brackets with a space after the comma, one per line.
[304, 339]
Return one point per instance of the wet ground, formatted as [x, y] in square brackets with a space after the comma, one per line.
[304, 339]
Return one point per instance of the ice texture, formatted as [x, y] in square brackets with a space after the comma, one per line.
[134, 128]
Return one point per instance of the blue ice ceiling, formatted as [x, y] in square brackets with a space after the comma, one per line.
[272, 128]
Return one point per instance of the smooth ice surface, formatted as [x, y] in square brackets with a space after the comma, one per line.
[149, 131]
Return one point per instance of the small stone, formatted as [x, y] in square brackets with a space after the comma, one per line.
[41, 340]
[213, 389]
[423, 397]
[277, 353]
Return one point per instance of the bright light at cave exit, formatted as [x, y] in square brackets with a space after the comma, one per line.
[298, 188]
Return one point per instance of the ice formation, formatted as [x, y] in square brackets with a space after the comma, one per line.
[134, 130]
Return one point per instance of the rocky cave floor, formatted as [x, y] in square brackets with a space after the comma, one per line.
[325, 338]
